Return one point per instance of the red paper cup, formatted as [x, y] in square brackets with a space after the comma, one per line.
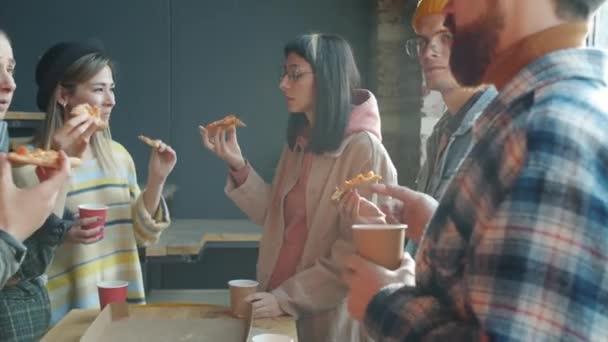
[112, 292]
[92, 210]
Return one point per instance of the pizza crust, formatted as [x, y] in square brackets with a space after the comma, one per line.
[42, 158]
[148, 141]
[357, 181]
[227, 122]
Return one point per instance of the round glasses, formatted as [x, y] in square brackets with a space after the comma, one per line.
[439, 43]
[293, 75]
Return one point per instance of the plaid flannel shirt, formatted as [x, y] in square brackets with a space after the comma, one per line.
[25, 311]
[517, 249]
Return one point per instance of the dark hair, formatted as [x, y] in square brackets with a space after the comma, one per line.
[576, 9]
[336, 77]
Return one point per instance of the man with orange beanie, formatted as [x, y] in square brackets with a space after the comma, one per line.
[452, 135]
[515, 250]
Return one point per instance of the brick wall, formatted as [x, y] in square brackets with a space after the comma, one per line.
[396, 81]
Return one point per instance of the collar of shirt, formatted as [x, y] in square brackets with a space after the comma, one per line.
[509, 62]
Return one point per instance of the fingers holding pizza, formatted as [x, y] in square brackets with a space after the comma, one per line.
[48, 162]
[354, 206]
[49, 159]
[74, 136]
[91, 112]
[220, 138]
[155, 144]
[163, 158]
[226, 123]
[358, 182]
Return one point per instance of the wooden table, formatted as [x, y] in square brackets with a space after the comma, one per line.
[73, 326]
[189, 237]
[25, 116]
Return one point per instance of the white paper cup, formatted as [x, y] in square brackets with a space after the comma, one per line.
[272, 338]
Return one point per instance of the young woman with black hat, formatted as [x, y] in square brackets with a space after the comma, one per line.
[67, 75]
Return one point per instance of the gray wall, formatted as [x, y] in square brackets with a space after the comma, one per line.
[186, 62]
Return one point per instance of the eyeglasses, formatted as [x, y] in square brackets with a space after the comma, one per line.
[293, 75]
[439, 43]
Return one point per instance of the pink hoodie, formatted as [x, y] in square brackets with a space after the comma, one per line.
[364, 116]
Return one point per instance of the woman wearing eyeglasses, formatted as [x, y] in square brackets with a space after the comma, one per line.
[333, 133]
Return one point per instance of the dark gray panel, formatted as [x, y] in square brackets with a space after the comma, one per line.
[136, 34]
[226, 58]
[186, 62]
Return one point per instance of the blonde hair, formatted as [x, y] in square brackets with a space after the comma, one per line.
[82, 70]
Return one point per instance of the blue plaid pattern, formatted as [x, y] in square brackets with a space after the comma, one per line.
[518, 247]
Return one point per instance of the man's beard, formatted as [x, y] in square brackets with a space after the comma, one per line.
[474, 46]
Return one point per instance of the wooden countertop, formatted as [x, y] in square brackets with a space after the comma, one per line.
[74, 325]
[189, 237]
[24, 116]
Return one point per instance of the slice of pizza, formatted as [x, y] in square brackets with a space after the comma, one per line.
[93, 111]
[148, 141]
[225, 123]
[44, 158]
[359, 180]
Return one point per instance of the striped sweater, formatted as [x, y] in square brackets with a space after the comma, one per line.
[76, 268]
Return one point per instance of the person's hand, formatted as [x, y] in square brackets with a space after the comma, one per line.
[23, 211]
[225, 145]
[264, 305]
[74, 136]
[78, 235]
[408, 206]
[365, 279]
[162, 162]
[45, 173]
[360, 209]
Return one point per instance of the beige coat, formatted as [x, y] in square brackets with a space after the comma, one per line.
[315, 295]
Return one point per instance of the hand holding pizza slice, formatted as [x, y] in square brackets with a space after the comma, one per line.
[224, 143]
[155, 144]
[227, 122]
[92, 111]
[38, 157]
[358, 181]
[162, 160]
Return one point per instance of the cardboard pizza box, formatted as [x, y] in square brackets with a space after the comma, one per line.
[167, 322]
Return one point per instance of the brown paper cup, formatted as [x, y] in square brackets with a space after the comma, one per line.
[239, 289]
[381, 244]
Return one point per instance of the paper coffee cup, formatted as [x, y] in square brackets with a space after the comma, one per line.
[382, 244]
[94, 210]
[271, 338]
[112, 292]
[239, 289]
